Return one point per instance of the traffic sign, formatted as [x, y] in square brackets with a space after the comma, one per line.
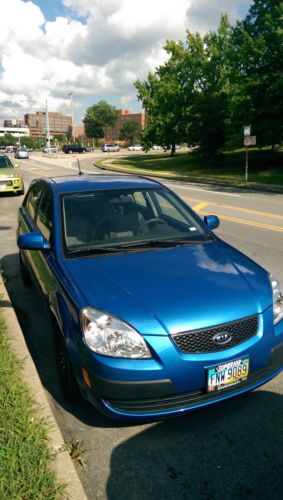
[250, 140]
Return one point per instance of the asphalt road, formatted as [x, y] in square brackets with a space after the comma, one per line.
[230, 450]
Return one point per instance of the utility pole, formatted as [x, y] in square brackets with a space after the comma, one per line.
[47, 126]
[70, 94]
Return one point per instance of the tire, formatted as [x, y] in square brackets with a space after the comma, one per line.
[67, 379]
[24, 272]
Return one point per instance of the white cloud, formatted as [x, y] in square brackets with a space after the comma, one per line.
[101, 48]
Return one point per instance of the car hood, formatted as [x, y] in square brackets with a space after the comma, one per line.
[8, 172]
[173, 290]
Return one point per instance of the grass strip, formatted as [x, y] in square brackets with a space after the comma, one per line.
[25, 460]
[265, 166]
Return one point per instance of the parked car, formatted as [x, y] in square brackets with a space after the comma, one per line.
[53, 149]
[153, 314]
[136, 147]
[157, 148]
[10, 179]
[21, 153]
[11, 149]
[73, 148]
[110, 148]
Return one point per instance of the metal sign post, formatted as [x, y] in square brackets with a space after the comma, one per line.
[249, 140]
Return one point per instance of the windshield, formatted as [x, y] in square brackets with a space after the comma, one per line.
[126, 219]
[5, 162]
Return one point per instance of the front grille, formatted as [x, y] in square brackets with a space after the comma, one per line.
[203, 341]
[5, 183]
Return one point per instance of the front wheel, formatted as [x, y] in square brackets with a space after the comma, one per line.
[67, 379]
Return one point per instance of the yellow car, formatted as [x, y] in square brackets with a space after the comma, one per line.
[10, 179]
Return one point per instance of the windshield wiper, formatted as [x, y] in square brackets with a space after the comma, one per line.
[165, 242]
[104, 249]
[135, 244]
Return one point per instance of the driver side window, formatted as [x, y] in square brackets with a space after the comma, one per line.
[45, 214]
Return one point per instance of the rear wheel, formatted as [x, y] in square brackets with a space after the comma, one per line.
[67, 379]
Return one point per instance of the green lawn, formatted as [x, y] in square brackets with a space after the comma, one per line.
[265, 166]
[25, 460]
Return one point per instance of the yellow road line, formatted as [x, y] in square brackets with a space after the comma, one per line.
[199, 206]
[248, 222]
[237, 209]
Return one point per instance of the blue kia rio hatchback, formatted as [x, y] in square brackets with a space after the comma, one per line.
[153, 314]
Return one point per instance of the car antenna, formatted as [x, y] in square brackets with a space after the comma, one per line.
[79, 167]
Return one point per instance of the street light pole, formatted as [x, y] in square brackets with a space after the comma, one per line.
[47, 126]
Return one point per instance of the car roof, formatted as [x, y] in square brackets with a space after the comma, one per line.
[90, 182]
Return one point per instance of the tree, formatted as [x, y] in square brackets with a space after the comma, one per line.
[186, 98]
[99, 116]
[130, 131]
[208, 70]
[257, 72]
[163, 98]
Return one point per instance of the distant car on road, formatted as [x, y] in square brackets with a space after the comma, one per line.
[110, 148]
[10, 179]
[21, 153]
[53, 149]
[136, 147]
[153, 314]
[73, 148]
[157, 148]
[11, 149]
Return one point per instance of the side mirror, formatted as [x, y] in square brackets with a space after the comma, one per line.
[212, 221]
[32, 241]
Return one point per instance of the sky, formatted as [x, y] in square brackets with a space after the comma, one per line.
[94, 49]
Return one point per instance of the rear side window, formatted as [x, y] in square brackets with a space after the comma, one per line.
[32, 199]
[45, 214]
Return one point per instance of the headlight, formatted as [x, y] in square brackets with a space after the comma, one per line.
[277, 300]
[106, 334]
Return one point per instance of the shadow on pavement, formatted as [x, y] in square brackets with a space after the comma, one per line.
[37, 329]
[223, 452]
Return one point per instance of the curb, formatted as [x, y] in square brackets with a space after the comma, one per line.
[195, 180]
[64, 467]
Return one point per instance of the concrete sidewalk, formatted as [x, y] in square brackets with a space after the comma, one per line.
[64, 467]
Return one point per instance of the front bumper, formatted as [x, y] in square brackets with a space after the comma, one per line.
[162, 405]
[11, 185]
[159, 388]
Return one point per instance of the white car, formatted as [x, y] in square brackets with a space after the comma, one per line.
[136, 147]
[157, 148]
[21, 153]
[110, 148]
[53, 149]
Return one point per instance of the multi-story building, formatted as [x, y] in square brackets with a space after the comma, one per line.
[18, 132]
[59, 124]
[113, 133]
[13, 123]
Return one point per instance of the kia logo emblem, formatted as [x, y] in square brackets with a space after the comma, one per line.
[222, 338]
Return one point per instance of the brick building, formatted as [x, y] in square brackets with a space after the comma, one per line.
[59, 124]
[112, 134]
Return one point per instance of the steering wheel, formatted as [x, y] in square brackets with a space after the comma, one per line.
[150, 221]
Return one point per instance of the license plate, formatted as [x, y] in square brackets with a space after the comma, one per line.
[226, 374]
[3, 186]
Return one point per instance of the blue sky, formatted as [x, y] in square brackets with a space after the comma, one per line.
[94, 48]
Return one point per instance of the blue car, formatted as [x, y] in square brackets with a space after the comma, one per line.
[153, 314]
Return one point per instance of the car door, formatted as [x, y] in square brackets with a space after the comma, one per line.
[27, 216]
[43, 260]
